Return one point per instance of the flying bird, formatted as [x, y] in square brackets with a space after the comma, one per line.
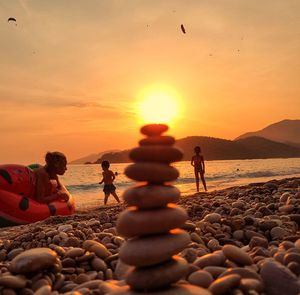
[182, 29]
[11, 19]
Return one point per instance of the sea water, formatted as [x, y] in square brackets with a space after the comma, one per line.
[83, 180]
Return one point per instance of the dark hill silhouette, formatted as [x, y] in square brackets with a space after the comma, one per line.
[266, 148]
[91, 158]
[213, 148]
[286, 131]
[115, 157]
[222, 149]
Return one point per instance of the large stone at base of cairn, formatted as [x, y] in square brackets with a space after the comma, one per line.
[152, 225]
[153, 249]
[158, 276]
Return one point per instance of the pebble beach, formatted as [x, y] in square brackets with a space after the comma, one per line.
[243, 240]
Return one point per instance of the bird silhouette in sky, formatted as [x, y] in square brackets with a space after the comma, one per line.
[182, 28]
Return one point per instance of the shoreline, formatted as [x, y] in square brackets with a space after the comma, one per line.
[117, 208]
[86, 201]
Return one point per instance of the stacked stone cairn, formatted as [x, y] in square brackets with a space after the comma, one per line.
[152, 222]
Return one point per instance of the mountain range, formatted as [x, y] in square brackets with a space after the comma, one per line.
[278, 140]
[89, 159]
[286, 131]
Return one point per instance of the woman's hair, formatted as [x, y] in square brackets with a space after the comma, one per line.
[105, 164]
[54, 157]
[197, 149]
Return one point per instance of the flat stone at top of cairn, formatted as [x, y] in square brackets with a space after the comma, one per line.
[154, 129]
[157, 276]
[152, 225]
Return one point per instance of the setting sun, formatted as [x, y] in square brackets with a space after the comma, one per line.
[158, 105]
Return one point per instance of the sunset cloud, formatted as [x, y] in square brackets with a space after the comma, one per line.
[72, 69]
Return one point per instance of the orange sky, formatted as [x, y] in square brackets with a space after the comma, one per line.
[71, 70]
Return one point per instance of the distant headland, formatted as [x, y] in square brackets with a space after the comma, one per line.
[278, 140]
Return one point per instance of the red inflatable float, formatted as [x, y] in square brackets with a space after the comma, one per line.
[17, 206]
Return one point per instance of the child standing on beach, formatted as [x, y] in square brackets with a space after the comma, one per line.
[199, 168]
[108, 179]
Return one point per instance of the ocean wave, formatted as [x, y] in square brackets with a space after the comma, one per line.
[83, 187]
[237, 175]
[256, 174]
[268, 173]
[189, 180]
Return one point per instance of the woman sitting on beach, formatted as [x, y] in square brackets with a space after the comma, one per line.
[48, 186]
[199, 168]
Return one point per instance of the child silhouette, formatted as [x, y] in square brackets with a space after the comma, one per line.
[108, 179]
[199, 167]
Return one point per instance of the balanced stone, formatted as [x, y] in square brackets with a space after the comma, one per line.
[150, 250]
[237, 255]
[151, 196]
[155, 140]
[157, 276]
[154, 129]
[152, 225]
[151, 172]
[133, 222]
[155, 153]
[33, 260]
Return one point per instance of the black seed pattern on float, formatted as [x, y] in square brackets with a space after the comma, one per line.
[153, 224]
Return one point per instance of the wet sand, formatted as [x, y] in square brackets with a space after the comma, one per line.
[244, 240]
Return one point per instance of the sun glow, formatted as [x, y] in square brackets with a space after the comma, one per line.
[158, 105]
